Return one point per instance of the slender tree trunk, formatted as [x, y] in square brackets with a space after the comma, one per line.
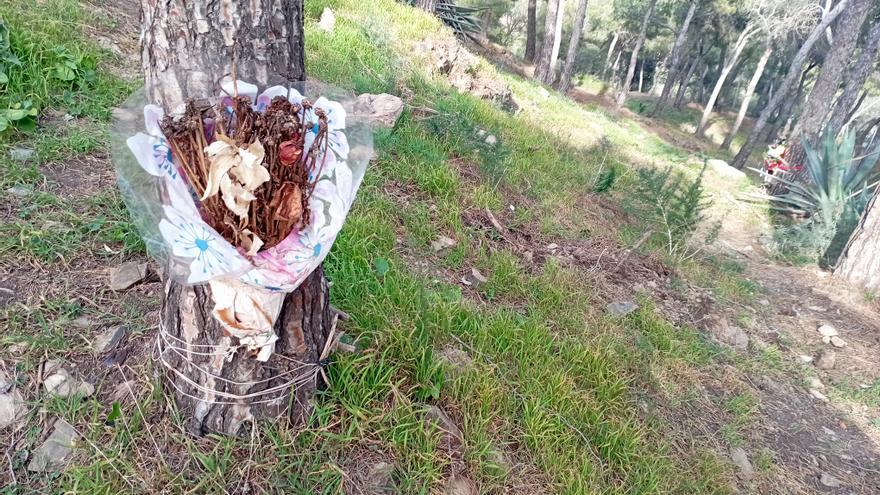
[860, 261]
[659, 71]
[573, 42]
[725, 71]
[675, 58]
[702, 94]
[630, 73]
[809, 125]
[427, 5]
[685, 81]
[750, 90]
[611, 48]
[786, 84]
[265, 38]
[855, 80]
[641, 75]
[546, 69]
[531, 30]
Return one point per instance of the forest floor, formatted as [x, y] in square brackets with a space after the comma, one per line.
[718, 381]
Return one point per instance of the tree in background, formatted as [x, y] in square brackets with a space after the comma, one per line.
[673, 67]
[531, 28]
[580, 17]
[546, 68]
[634, 57]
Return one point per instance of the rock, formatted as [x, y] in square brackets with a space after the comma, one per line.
[442, 243]
[552, 246]
[826, 340]
[816, 383]
[460, 485]
[621, 308]
[818, 395]
[21, 154]
[456, 361]
[651, 284]
[84, 321]
[379, 478]
[543, 92]
[52, 454]
[108, 339]
[59, 382]
[729, 334]
[826, 359]
[739, 457]
[827, 330]
[127, 275]
[838, 342]
[20, 191]
[829, 481]
[382, 109]
[451, 437]
[491, 140]
[528, 256]
[806, 359]
[327, 21]
[474, 278]
[764, 302]
[723, 169]
[12, 405]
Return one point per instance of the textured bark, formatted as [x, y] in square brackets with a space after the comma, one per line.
[675, 58]
[750, 90]
[302, 328]
[810, 123]
[426, 5]
[188, 46]
[531, 30]
[741, 42]
[794, 71]
[573, 42]
[546, 69]
[611, 48]
[855, 80]
[685, 81]
[641, 75]
[860, 262]
[631, 72]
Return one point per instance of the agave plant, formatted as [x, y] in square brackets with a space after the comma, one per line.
[463, 20]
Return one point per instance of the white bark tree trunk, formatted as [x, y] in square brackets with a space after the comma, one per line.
[741, 42]
[750, 90]
[631, 72]
[573, 42]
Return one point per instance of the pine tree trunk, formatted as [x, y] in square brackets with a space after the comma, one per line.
[531, 30]
[685, 81]
[855, 80]
[794, 71]
[860, 262]
[633, 59]
[673, 67]
[546, 69]
[741, 42]
[611, 48]
[812, 119]
[573, 42]
[426, 5]
[265, 38]
[641, 76]
[750, 90]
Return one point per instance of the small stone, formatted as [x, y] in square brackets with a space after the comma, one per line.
[59, 382]
[474, 278]
[651, 284]
[764, 302]
[827, 330]
[382, 110]
[127, 275]
[806, 359]
[456, 361]
[21, 154]
[451, 438]
[826, 359]
[739, 457]
[52, 454]
[838, 342]
[491, 140]
[621, 308]
[108, 339]
[327, 21]
[829, 431]
[826, 340]
[544, 93]
[442, 243]
[12, 408]
[84, 321]
[818, 395]
[552, 246]
[460, 485]
[816, 383]
[829, 481]
[528, 256]
[379, 478]
[20, 191]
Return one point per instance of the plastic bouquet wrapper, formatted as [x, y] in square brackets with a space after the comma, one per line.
[245, 191]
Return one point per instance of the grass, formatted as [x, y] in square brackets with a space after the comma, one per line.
[555, 396]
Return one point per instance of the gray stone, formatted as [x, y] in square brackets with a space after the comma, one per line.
[59, 382]
[723, 169]
[382, 109]
[621, 308]
[108, 339]
[474, 278]
[552, 246]
[838, 342]
[327, 21]
[829, 481]
[379, 478]
[456, 361]
[826, 359]
[816, 383]
[739, 457]
[127, 275]
[442, 243]
[827, 330]
[491, 140]
[53, 453]
[460, 485]
[20, 191]
[21, 154]
[818, 395]
[451, 438]
[731, 335]
[84, 321]
[12, 405]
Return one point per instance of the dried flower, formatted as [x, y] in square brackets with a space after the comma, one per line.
[236, 172]
[289, 152]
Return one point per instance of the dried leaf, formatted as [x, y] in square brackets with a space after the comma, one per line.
[249, 171]
[222, 156]
[287, 203]
[236, 198]
[251, 242]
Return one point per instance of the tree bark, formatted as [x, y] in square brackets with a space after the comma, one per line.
[855, 80]
[860, 261]
[611, 48]
[631, 72]
[546, 69]
[750, 90]
[809, 125]
[187, 48]
[794, 71]
[427, 5]
[685, 81]
[531, 30]
[741, 42]
[573, 42]
[641, 75]
[264, 37]
[675, 59]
